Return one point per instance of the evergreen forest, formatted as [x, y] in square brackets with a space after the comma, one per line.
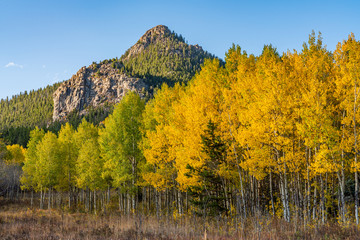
[166, 60]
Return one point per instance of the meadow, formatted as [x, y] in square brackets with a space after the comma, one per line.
[18, 220]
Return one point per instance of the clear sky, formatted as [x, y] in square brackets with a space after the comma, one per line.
[46, 41]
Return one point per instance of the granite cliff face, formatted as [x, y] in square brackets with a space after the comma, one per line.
[94, 87]
[159, 56]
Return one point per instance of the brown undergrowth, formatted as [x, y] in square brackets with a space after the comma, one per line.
[18, 221]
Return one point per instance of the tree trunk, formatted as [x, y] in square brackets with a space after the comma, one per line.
[41, 199]
[180, 202]
[238, 168]
[120, 200]
[355, 159]
[108, 195]
[286, 193]
[32, 197]
[69, 199]
[314, 207]
[49, 198]
[308, 186]
[322, 199]
[95, 201]
[271, 195]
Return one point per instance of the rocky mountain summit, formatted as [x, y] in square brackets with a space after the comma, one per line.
[158, 33]
[158, 56]
[161, 35]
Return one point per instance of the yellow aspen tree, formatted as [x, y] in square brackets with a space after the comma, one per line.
[316, 125]
[262, 105]
[200, 103]
[120, 145]
[240, 70]
[159, 170]
[274, 126]
[28, 178]
[84, 132]
[69, 155]
[16, 154]
[89, 166]
[48, 166]
[347, 56]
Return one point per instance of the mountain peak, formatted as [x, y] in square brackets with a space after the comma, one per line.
[160, 31]
[157, 34]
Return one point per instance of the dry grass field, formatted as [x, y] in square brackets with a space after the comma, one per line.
[19, 221]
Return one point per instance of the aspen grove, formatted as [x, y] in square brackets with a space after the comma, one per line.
[269, 135]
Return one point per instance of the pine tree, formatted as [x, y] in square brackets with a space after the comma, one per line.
[209, 196]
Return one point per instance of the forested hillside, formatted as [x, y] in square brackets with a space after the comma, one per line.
[21, 113]
[28, 109]
[163, 56]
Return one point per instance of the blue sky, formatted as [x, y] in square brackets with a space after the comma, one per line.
[43, 42]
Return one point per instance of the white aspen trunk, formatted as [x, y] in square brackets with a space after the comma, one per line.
[129, 201]
[308, 186]
[286, 192]
[52, 198]
[133, 184]
[49, 198]
[342, 178]
[343, 204]
[41, 199]
[180, 209]
[87, 200]
[325, 200]
[32, 197]
[160, 202]
[157, 204]
[90, 200]
[355, 160]
[81, 198]
[69, 198]
[322, 200]
[239, 171]
[108, 195]
[95, 201]
[121, 201]
[102, 201]
[167, 200]
[314, 207]
[282, 194]
[271, 195]
[300, 196]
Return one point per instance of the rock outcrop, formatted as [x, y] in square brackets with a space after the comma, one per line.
[94, 86]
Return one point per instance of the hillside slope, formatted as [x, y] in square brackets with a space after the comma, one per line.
[163, 56]
[28, 109]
